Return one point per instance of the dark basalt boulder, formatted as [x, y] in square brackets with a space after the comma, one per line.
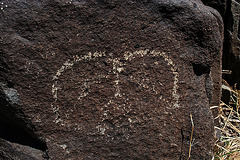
[219, 5]
[109, 79]
[230, 11]
[232, 45]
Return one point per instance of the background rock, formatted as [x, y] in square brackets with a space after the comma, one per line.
[15, 151]
[219, 5]
[232, 54]
[110, 79]
[230, 11]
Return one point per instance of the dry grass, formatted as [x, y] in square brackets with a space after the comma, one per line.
[190, 145]
[227, 145]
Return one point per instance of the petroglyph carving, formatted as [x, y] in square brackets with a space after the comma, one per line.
[113, 76]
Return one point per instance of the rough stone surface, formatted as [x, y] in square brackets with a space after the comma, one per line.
[232, 56]
[18, 152]
[219, 5]
[112, 79]
[230, 11]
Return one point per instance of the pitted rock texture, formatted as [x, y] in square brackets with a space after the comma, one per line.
[112, 79]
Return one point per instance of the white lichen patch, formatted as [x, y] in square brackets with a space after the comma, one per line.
[3, 6]
[11, 94]
[65, 148]
[102, 128]
[130, 120]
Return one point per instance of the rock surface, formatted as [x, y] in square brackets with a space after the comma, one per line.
[219, 5]
[230, 11]
[232, 53]
[19, 152]
[109, 79]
